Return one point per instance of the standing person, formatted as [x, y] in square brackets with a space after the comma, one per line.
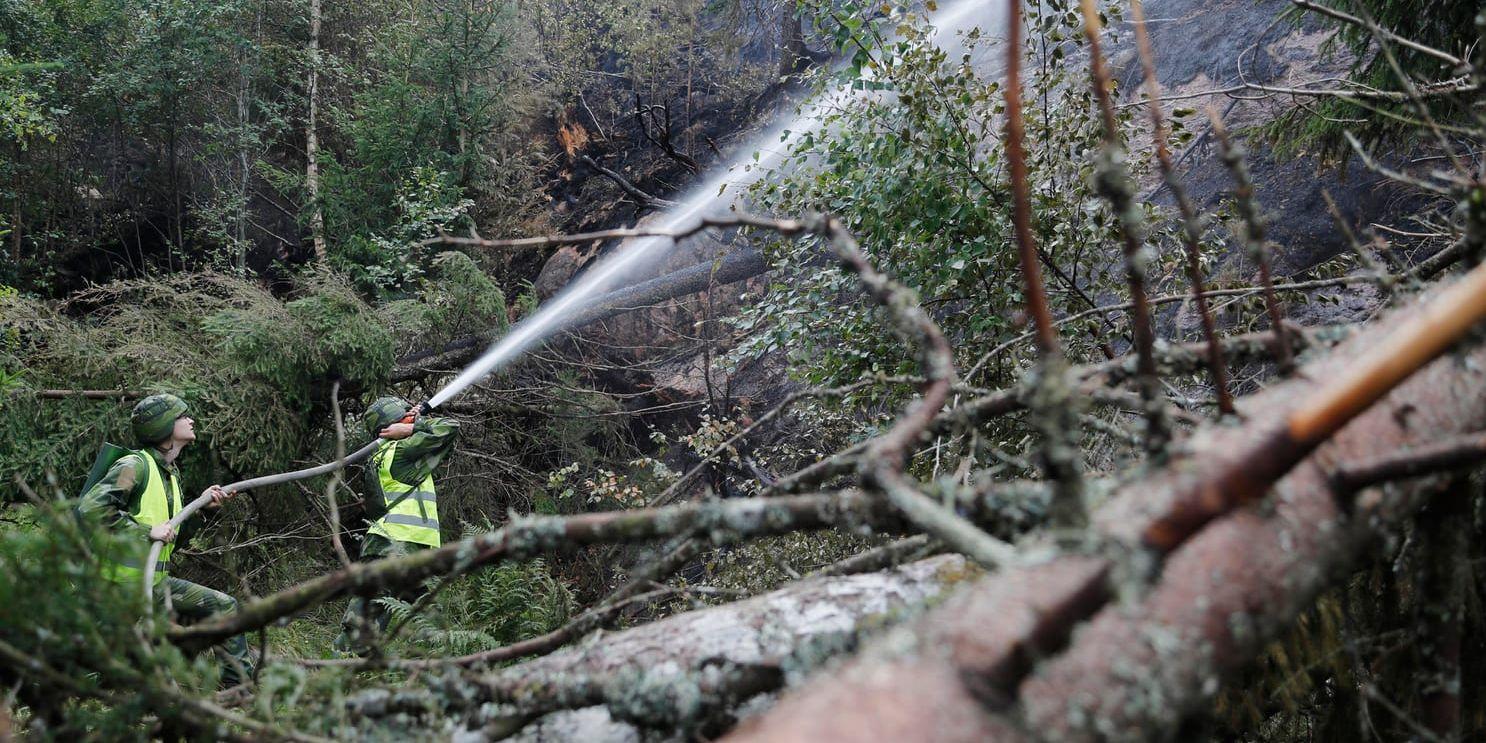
[138, 495]
[401, 502]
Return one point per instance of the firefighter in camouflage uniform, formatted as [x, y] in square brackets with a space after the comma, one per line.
[138, 495]
[401, 503]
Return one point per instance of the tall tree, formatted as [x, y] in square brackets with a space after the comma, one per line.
[311, 139]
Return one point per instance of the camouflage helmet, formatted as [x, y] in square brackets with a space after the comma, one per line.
[153, 418]
[383, 413]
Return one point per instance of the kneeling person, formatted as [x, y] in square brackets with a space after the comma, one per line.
[401, 501]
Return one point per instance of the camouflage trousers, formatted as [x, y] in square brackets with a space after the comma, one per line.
[361, 613]
[193, 602]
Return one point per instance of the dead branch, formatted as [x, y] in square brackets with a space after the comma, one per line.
[1055, 414]
[784, 227]
[645, 116]
[90, 394]
[629, 188]
[1192, 224]
[719, 522]
[882, 467]
[880, 558]
[1115, 184]
[1445, 57]
[1088, 381]
[1430, 330]
[1459, 452]
[632, 592]
[1233, 156]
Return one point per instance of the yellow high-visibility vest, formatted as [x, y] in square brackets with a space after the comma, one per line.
[413, 513]
[160, 501]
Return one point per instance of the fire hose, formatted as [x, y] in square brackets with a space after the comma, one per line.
[158, 546]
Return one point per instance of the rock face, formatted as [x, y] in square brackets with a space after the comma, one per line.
[1204, 45]
[773, 631]
[560, 268]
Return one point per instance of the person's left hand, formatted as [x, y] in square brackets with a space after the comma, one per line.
[397, 431]
[218, 495]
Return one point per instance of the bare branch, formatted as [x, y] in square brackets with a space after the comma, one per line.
[1192, 224]
[1114, 183]
[1232, 155]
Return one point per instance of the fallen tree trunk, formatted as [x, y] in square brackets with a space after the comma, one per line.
[734, 267]
[1140, 667]
[683, 670]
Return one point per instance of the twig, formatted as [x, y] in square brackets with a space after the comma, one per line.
[882, 467]
[626, 186]
[1021, 212]
[1232, 155]
[1453, 453]
[335, 476]
[1454, 86]
[1192, 223]
[1054, 415]
[1426, 334]
[1366, 256]
[1446, 57]
[880, 558]
[717, 522]
[1114, 183]
[785, 227]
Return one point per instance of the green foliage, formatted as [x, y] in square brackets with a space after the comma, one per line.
[423, 139]
[392, 261]
[56, 609]
[487, 609]
[23, 117]
[916, 171]
[250, 365]
[1453, 27]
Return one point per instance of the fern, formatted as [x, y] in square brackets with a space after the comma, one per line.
[487, 609]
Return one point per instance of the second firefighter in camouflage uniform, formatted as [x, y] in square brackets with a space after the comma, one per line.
[140, 493]
[401, 502]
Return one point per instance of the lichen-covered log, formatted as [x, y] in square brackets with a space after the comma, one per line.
[717, 522]
[679, 671]
[1139, 667]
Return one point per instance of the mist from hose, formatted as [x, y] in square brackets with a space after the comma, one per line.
[718, 192]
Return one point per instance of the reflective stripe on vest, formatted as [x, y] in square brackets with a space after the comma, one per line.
[157, 504]
[413, 512]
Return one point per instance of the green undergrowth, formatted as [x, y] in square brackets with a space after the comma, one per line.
[256, 369]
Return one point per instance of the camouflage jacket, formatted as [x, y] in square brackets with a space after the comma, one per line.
[415, 458]
[114, 498]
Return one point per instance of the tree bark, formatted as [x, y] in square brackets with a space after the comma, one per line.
[638, 671]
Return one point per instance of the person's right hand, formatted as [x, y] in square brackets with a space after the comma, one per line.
[397, 431]
[162, 533]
